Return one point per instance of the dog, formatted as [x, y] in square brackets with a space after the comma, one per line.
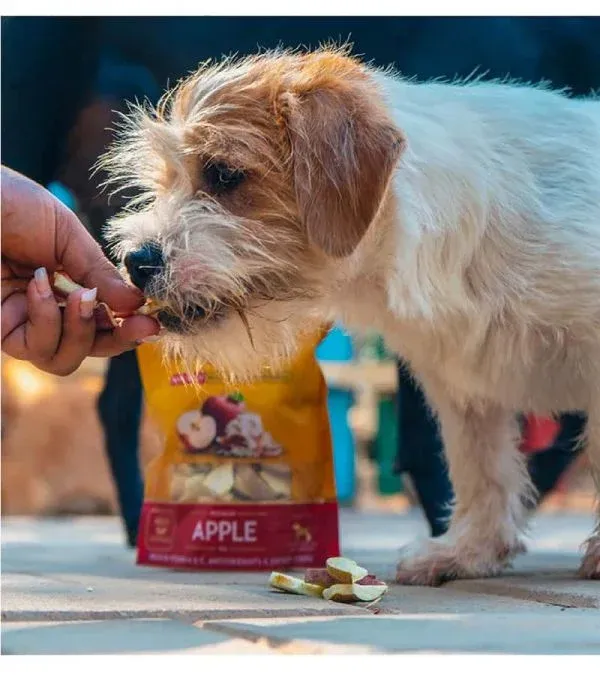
[460, 220]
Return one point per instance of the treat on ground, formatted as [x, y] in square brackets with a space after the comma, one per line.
[344, 570]
[354, 592]
[320, 577]
[285, 582]
[370, 580]
[366, 589]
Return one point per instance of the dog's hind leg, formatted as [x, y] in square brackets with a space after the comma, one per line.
[590, 565]
[491, 484]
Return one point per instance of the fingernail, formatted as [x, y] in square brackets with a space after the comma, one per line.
[42, 283]
[87, 304]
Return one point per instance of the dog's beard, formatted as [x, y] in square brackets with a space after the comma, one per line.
[240, 335]
[241, 345]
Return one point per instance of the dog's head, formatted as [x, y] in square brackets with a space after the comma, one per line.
[256, 180]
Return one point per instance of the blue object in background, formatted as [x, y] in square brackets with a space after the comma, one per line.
[63, 194]
[337, 346]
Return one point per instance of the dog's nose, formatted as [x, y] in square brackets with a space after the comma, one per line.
[144, 263]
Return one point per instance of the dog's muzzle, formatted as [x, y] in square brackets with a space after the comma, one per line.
[145, 265]
[192, 316]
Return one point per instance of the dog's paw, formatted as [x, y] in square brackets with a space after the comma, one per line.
[435, 561]
[590, 565]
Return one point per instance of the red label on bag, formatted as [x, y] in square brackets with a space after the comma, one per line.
[238, 537]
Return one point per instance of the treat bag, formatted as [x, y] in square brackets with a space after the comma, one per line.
[245, 479]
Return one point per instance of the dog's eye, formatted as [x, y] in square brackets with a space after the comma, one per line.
[220, 178]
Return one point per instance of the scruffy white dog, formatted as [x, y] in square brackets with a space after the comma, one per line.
[461, 221]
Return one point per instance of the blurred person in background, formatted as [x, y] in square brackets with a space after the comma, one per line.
[63, 77]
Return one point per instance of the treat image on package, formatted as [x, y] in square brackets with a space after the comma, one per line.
[245, 479]
[224, 427]
[224, 482]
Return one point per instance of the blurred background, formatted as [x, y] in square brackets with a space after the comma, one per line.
[72, 445]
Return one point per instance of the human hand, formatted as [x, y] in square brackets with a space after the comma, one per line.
[39, 236]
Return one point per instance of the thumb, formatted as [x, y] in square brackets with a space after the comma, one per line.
[83, 260]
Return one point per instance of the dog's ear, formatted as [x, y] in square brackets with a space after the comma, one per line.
[344, 150]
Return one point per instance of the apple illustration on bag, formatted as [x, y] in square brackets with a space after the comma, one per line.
[196, 431]
[223, 409]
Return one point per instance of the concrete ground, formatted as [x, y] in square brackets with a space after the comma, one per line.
[70, 586]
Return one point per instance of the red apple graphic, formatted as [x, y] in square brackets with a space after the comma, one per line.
[196, 431]
[223, 409]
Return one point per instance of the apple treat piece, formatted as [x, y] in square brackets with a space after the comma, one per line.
[354, 592]
[279, 480]
[370, 580]
[289, 584]
[223, 409]
[196, 431]
[178, 485]
[248, 485]
[105, 316]
[256, 442]
[195, 489]
[247, 424]
[202, 468]
[268, 446]
[319, 576]
[344, 570]
[233, 446]
[220, 480]
[192, 468]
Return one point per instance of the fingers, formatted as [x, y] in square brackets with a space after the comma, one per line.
[37, 229]
[132, 332]
[31, 321]
[56, 341]
[35, 329]
[77, 338]
[42, 330]
[83, 260]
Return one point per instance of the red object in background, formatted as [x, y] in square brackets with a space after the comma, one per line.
[539, 434]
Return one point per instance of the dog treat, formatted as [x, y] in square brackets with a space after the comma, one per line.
[105, 317]
[319, 576]
[284, 582]
[277, 476]
[245, 479]
[318, 582]
[248, 484]
[344, 570]
[195, 489]
[370, 580]
[354, 592]
[227, 482]
[65, 286]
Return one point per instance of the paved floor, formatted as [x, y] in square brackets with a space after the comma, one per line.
[71, 587]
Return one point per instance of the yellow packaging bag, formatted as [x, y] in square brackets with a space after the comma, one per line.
[245, 480]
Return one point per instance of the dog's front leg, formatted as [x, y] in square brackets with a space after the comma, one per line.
[490, 482]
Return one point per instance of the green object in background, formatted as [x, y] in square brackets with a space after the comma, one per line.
[386, 446]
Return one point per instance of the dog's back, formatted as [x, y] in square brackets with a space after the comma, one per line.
[499, 236]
